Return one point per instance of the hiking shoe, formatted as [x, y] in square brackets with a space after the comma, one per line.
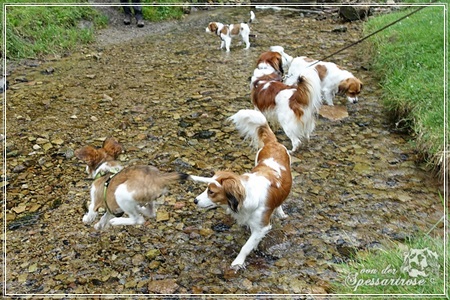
[140, 23]
[127, 20]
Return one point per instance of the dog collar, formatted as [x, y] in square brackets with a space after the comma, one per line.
[104, 172]
[112, 172]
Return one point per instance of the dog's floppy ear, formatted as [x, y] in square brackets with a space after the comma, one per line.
[279, 61]
[234, 191]
[88, 154]
[112, 147]
[343, 86]
[233, 203]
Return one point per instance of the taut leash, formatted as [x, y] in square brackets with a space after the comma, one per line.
[368, 36]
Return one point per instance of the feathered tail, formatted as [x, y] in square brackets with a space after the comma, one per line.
[309, 81]
[253, 125]
[252, 16]
[174, 176]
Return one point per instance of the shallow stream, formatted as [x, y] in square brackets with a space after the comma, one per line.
[165, 96]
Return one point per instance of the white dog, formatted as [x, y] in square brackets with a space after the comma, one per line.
[334, 80]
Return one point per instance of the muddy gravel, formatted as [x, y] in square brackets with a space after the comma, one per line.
[165, 95]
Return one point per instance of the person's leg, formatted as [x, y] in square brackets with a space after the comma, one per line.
[138, 13]
[127, 11]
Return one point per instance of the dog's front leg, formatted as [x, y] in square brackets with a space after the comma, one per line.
[90, 216]
[222, 44]
[328, 95]
[246, 40]
[251, 244]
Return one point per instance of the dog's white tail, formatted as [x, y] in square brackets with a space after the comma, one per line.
[252, 16]
[204, 179]
[253, 125]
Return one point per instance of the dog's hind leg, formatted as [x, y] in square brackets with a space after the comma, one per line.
[104, 221]
[280, 213]
[227, 41]
[148, 210]
[132, 220]
[129, 206]
[132, 210]
[245, 38]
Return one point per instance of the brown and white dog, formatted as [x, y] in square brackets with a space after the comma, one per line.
[334, 79]
[131, 190]
[227, 32]
[251, 198]
[293, 107]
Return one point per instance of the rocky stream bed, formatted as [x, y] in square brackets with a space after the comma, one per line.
[165, 93]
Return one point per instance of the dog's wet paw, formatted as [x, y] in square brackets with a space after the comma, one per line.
[89, 218]
[238, 267]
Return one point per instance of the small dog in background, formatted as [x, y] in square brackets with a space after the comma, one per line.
[131, 190]
[251, 198]
[334, 80]
[227, 32]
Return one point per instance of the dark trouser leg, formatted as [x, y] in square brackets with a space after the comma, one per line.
[137, 8]
[138, 12]
[127, 11]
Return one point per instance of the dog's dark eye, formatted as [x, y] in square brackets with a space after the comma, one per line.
[210, 192]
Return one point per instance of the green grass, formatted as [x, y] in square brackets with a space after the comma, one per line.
[409, 59]
[163, 12]
[380, 272]
[34, 31]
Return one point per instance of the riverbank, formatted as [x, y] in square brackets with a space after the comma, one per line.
[410, 62]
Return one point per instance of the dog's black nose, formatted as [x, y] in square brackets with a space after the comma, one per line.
[196, 201]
